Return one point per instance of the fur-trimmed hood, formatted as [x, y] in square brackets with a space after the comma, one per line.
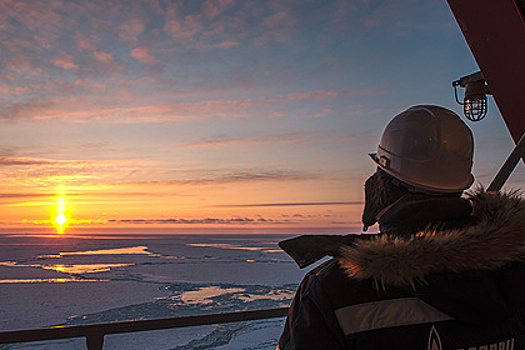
[496, 239]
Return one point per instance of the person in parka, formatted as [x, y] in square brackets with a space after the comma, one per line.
[446, 270]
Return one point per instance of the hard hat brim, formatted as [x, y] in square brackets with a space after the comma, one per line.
[374, 157]
[419, 186]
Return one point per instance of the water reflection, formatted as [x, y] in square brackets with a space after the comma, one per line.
[203, 295]
[49, 280]
[83, 268]
[137, 250]
[70, 269]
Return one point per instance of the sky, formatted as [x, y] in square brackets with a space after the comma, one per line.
[226, 115]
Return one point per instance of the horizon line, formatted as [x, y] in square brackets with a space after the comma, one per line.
[287, 204]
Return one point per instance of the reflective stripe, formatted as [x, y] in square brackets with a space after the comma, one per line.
[387, 313]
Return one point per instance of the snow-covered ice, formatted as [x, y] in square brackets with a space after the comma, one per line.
[72, 281]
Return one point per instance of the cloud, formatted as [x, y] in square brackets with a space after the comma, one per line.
[104, 57]
[232, 177]
[8, 199]
[8, 151]
[184, 28]
[25, 195]
[224, 140]
[79, 195]
[10, 90]
[65, 61]
[18, 64]
[31, 171]
[132, 28]
[10, 161]
[104, 64]
[32, 14]
[25, 110]
[83, 108]
[292, 204]
[105, 46]
[203, 221]
[212, 8]
[324, 113]
[226, 23]
[276, 28]
[322, 94]
[30, 161]
[143, 54]
[226, 44]
[86, 41]
[47, 173]
[32, 22]
[86, 108]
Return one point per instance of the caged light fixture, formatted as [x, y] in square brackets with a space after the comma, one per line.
[475, 100]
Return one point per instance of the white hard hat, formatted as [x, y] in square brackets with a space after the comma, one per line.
[429, 148]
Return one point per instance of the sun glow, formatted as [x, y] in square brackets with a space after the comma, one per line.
[60, 221]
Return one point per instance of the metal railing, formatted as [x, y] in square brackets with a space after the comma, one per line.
[94, 333]
[508, 167]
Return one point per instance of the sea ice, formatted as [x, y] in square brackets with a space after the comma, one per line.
[143, 278]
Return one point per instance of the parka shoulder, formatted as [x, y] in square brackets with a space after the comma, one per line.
[495, 239]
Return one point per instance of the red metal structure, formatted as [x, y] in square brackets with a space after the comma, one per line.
[495, 33]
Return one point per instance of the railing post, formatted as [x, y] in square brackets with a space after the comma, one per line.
[95, 341]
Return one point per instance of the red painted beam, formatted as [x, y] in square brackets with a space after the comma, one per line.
[495, 33]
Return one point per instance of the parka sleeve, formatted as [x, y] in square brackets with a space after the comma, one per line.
[311, 323]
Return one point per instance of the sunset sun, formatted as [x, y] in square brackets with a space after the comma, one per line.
[60, 217]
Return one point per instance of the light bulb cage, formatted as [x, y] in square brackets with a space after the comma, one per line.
[475, 99]
[475, 109]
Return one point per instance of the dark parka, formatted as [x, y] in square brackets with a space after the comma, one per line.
[438, 288]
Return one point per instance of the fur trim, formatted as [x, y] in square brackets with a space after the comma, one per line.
[497, 239]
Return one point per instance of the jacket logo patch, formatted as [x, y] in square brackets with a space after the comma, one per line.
[434, 342]
[502, 345]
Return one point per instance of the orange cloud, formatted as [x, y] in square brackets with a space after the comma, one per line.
[182, 27]
[227, 44]
[18, 64]
[35, 24]
[324, 113]
[206, 221]
[33, 14]
[85, 41]
[10, 90]
[290, 204]
[219, 141]
[48, 173]
[143, 55]
[212, 8]
[104, 57]
[276, 28]
[81, 109]
[131, 29]
[105, 64]
[65, 61]
[232, 177]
